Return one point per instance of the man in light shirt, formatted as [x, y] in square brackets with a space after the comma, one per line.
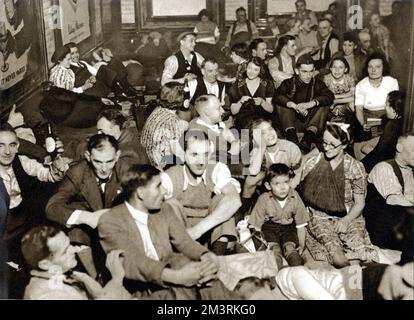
[25, 181]
[210, 121]
[242, 30]
[185, 64]
[204, 194]
[389, 212]
[208, 83]
[147, 233]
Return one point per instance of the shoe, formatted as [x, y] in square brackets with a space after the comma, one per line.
[291, 135]
[306, 144]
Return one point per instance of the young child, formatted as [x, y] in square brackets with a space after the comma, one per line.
[281, 216]
[268, 149]
[340, 82]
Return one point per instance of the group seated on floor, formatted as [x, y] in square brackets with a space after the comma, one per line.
[282, 183]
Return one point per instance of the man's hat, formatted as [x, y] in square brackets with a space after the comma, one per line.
[182, 35]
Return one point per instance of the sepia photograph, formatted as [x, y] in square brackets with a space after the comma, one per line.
[206, 150]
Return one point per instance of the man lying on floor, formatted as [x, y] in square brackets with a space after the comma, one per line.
[48, 251]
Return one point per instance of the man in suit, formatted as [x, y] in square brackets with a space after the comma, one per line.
[88, 190]
[147, 235]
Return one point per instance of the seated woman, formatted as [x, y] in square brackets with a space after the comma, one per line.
[62, 76]
[163, 127]
[208, 35]
[251, 95]
[334, 187]
[343, 86]
[370, 96]
[384, 147]
[240, 55]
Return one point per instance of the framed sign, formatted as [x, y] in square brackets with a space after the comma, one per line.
[23, 64]
[154, 14]
[74, 15]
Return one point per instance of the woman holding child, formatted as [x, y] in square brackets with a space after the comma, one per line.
[334, 187]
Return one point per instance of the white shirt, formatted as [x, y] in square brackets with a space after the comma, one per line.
[214, 127]
[373, 98]
[220, 176]
[141, 220]
[34, 169]
[171, 67]
[212, 88]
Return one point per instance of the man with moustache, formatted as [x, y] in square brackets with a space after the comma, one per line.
[204, 194]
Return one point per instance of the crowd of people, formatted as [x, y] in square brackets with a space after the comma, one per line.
[303, 149]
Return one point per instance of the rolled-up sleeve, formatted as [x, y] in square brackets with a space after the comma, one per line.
[221, 176]
[170, 69]
[385, 180]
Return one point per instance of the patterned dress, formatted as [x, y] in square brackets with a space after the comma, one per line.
[340, 112]
[322, 239]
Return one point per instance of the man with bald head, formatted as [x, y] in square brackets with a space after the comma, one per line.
[390, 200]
[210, 122]
[208, 83]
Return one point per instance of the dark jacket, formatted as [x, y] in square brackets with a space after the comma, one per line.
[295, 90]
[80, 190]
[118, 231]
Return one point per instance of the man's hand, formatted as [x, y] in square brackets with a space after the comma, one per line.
[190, 76]
[190, 274]
[61, 163]
[211, 267]
[301, 109]
[91, 218]
[114, 263]
[398, 282]
[91, 285]
[15, 118]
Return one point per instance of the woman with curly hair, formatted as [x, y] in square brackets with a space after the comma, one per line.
[252, 94]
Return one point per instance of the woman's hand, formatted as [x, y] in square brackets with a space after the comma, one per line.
[259, 101]
[342, 225]
[244, 99]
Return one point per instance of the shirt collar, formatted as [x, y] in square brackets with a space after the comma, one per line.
[137, 215]
[403, 166]
[187, 179]
[215, 127]
[209, 84]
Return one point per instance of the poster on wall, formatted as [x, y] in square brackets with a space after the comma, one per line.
[75, 20]
[15, 41]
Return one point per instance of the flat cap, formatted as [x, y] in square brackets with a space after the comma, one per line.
[182, 35]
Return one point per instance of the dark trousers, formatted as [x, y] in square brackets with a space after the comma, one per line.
[316, 117]
[280, 236]
[84, 114]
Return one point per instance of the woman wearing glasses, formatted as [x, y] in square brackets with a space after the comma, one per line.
[334, 187]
